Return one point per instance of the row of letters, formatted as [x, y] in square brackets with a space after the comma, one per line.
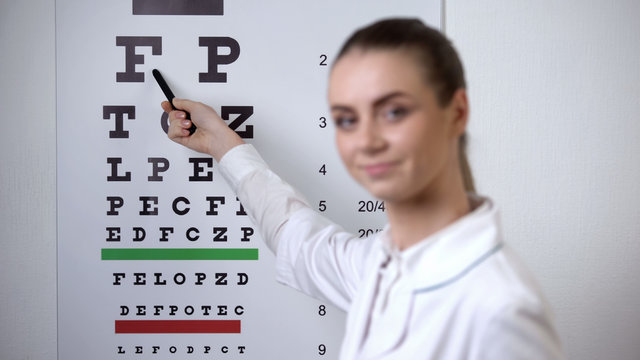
[173, 310]
[179, 205]
[159, 279]
[243, 113]
[156, 349]
[218, 234]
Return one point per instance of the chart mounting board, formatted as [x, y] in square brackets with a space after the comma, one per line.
[136, 210]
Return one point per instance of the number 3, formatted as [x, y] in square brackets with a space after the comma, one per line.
[323, 122]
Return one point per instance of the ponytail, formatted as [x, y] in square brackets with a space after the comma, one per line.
[465, 169]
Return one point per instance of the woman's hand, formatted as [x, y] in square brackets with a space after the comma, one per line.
[212, 135]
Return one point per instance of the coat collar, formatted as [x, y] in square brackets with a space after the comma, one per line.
[448, 254]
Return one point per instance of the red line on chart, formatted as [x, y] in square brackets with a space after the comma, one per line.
[177, 326]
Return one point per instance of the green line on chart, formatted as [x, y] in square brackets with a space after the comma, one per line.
[179, 254]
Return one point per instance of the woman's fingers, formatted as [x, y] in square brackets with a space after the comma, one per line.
[184, 104]
[178, 123]
[179, 128]
[166, 106]
[213, 136]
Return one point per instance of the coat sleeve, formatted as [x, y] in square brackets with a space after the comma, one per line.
[521, 332]
[313, 254]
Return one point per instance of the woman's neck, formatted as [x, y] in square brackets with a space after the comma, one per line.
[413, 220]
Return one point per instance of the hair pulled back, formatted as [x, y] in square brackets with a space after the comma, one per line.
[434, 54]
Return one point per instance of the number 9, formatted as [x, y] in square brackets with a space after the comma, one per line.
[322, 349]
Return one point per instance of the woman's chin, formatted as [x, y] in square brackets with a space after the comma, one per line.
[384, 191]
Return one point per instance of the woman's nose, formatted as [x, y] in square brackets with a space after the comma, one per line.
[371, 138]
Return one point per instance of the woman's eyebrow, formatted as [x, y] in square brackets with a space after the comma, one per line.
[341, 108]
[384, 98]
[377, 102]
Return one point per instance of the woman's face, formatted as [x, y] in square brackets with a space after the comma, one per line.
[392, 135]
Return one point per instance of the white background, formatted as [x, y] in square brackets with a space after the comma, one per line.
[555, 91]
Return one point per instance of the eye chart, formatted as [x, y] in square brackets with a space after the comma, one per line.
[156, 257]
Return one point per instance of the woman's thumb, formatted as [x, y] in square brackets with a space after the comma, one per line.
[182, 104]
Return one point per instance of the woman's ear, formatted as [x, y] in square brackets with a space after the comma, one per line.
[458, 109]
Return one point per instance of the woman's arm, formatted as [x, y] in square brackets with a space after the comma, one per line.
[313, 254]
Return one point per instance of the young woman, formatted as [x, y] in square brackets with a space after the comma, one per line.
[438, 282]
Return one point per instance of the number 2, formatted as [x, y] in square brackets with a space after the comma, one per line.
[323, 61]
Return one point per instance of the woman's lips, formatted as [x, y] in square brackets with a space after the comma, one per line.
[379, 169]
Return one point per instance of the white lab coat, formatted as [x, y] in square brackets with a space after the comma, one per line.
[459, 294]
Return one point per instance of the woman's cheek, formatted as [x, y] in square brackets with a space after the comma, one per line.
[345, 152]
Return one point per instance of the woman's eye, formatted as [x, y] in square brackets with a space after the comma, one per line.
[395, 113]
[345, 122]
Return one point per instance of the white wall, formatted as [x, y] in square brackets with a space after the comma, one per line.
[27, 180]
[555, 139]
[555, 94]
